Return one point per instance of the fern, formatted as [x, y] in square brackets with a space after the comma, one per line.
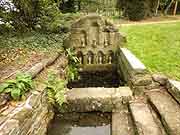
[18, 87]
[73, 63]
[55, 89]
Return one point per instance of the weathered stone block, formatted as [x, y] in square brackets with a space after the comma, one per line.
[121, 122]
[121, 96]
[23, 114]
[168, 109]
[9, 127]
[161, 79]
[139, 90]
[142, 80]
[144, 120]
[174, 89]
[95, 99]
[154, 85]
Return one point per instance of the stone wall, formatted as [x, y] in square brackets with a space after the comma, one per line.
[28, 118]
[133, 72]
[129, 65]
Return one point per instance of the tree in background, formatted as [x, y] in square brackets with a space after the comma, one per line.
[137, 9]
[140, 9]
[169, 4]
[26, 15]
[5, 14]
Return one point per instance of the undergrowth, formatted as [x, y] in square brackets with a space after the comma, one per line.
[55, 86]
[73, 62]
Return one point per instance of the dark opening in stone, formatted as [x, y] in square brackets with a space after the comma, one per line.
[94, 123]
[104, 78]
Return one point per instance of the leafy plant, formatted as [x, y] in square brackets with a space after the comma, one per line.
[17, 87]
[55, 89]
[73, 62]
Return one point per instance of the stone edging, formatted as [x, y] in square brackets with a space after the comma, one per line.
[174, 88]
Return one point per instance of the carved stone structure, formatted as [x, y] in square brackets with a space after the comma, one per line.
[95, 41]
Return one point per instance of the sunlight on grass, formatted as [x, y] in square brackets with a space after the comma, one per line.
[157, 45]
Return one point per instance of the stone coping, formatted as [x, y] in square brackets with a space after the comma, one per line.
[95, 99]
[174, 88]
[135, 64]
[98, 92]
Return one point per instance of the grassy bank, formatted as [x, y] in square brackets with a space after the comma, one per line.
[157, 45]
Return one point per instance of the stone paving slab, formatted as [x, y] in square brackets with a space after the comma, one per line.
[168, 109]
[122, 122]
[144, 120]
[95, 99]
[174, 89]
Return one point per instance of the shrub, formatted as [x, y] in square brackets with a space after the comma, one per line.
[136, 10]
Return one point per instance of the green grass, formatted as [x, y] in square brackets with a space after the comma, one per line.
[157, 46]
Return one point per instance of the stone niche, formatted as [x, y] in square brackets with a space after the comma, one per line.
[96, 42]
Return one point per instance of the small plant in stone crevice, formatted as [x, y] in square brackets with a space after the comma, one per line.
[73, 62]
[55, 89]
[17, 87]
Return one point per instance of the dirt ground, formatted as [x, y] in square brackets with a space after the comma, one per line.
[18, 59]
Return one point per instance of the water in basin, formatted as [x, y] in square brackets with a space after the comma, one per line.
[81, 124]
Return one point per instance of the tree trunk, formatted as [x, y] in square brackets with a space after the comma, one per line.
[157, 7]
[79, 5]
[175, 8]
[168, 7]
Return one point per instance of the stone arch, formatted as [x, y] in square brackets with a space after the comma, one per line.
[90, 57]
[110, 57]
[80, 57]
[100, 57]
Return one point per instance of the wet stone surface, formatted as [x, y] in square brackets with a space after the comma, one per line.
[94, 123]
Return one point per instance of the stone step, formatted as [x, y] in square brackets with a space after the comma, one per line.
[122, 122]
[144, 120]
[167, 109]
[95, 99]
[174, 89]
